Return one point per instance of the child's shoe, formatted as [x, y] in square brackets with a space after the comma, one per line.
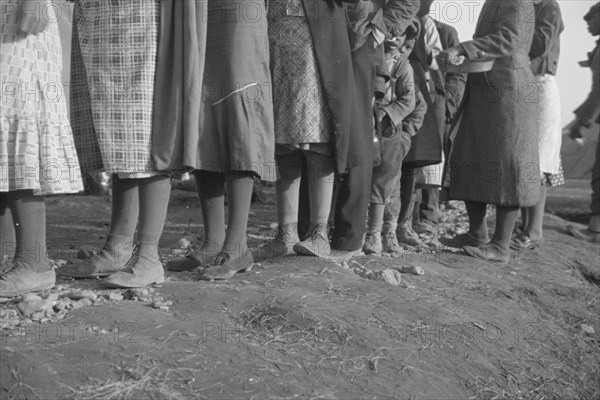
[113, 258]
[200, 257]
[143, 269]
[390, 243]
[373, 243]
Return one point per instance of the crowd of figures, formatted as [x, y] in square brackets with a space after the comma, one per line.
[358, 110]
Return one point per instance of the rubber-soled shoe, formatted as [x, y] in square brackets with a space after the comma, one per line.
[462, 240]
[113, 258]
[317, 244]
[390, 243]
[373, 243]
[143, 269]
[224, 267]
[22, 279]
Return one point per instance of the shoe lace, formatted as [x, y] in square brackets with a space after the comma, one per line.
[13, 267]
[135, 255]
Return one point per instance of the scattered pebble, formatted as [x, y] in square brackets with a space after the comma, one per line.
[587, 330]
[30, 297]
[115, 296]
[83, 294]
[411, 270]
[29, 308]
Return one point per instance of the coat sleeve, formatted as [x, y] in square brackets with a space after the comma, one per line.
[504, 42]
[589, 111]
[404, 102]
[548, 27]
[454, 83]
[414, 121]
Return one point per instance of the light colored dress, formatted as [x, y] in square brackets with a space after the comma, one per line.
[36, 142]
[115, 55]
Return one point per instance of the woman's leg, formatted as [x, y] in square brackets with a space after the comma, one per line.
[287, 189]
[211, 193]
[7, 230]
[239, 197]
[234, 256]
[320, 174]
[31, 269]
[498, 249]
[535, 220]
[477, 213]
[146, 268]
[119, 244]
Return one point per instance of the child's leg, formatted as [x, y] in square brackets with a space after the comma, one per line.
[146, 268]
[7, 229]
[31, 270]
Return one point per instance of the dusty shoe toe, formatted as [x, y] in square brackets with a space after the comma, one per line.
[193, 260]
[143, 269]
[464, 239]
[489, 252]
[104, 264]
[20, 280]
[390, 243]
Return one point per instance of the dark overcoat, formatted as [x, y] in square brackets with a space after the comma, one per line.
[495, 153]
[327, 24]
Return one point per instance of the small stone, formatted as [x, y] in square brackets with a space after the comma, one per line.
[411, 270]
[86, 302]
[30, 307]
[84, 254]
[62, 305]
[31, 297]
[83, 294]
[8, 313]
[52, 297]
[587, 330]
[141, 292]
[36, 316]
[185, 242]
[77, 304]
[115, 296]
[58, 263]
[59, 288]
[390, 276]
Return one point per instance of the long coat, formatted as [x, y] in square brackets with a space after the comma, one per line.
[495, 155]
[327, 24]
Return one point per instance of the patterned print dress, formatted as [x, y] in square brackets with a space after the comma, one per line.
[36, 142]
[301, 112]
[113, 71]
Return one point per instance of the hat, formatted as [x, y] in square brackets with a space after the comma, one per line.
[594, 10]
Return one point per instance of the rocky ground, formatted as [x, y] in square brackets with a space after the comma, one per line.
[430, 323]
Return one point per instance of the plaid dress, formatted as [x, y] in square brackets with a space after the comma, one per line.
[36, 142]
[113, 70]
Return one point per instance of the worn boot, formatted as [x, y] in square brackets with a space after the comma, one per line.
[373, 243]
[22, 278]
[113, 258]
[281, 245]
[144, 268]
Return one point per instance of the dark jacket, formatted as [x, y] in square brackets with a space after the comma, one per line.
[454, 84]
[589, 111]
[327, 24]
[495, 157]
[545, 48]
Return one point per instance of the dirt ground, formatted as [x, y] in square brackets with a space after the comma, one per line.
[299, 328]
